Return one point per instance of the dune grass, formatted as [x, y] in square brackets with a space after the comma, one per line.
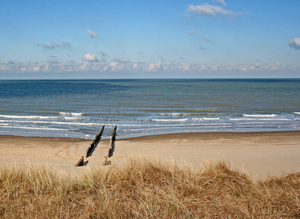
[147, 189]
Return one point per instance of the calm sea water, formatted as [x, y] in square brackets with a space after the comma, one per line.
[78, 108]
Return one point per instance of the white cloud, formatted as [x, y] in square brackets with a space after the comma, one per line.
[295, 43]
[222, 2]
[192, 32]
[92, 34]
[209, 10]
[121, 60]
[139, 67]
[90, 57]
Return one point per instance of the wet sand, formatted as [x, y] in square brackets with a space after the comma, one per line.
[257, 153]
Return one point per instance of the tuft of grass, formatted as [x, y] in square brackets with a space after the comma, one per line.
[147, 189]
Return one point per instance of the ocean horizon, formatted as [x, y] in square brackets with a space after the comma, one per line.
[138, 107]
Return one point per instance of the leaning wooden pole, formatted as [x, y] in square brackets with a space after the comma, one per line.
[111, 148]
[94, 144]
[80, 163]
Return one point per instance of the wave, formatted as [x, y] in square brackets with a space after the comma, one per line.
[71, 114]
[178, 114]
[258, 119]
[183, 110]
[36, 128]
[298, 113]
[169, 120]
[53, 122]
[211, 118]
[259, 115]
[206, 119]
[37, 117]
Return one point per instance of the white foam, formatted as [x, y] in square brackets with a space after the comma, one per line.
[169, 120]
[36, 128]
[259, 115]
[27, 117]
[206, 119]
[297, 113]
[177, 114]
[258, 119]
[37, 117]
[70, 114]
[211, 118]
[52, 122]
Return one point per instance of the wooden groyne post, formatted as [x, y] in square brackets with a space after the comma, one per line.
[94, 144]
[111, 148]
[80, 163]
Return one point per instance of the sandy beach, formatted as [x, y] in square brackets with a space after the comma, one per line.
[256, 153]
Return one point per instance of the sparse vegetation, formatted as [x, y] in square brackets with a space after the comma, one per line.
[147, 189]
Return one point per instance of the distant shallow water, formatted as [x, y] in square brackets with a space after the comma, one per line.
[78, 108]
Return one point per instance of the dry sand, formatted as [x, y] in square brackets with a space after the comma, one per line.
[257, 153]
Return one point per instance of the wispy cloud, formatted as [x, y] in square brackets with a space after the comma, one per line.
[295, 43]
[205, 39]
[209, 10]
[102, 53]
[192, 32]
[201, 47]
[51, 46]
[92, 34]
[65, 43]
[222, 2]
[52, 61]
[89, 57]
[121, 60]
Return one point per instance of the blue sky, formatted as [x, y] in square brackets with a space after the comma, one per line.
[145, 39]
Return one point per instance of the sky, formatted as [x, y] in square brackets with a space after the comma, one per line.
[149, 39]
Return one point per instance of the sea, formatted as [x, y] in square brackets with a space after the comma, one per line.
[140, 107]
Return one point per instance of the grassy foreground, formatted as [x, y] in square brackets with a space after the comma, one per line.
[147, 189]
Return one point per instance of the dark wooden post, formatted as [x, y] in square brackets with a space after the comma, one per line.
[94, 144]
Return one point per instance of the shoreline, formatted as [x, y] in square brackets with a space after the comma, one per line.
[157, 135]
[256, 153]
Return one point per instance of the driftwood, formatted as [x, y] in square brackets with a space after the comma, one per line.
[111, 148]
[94, 144]
[80, 162]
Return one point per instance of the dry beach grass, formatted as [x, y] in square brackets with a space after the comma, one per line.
[143, 188]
